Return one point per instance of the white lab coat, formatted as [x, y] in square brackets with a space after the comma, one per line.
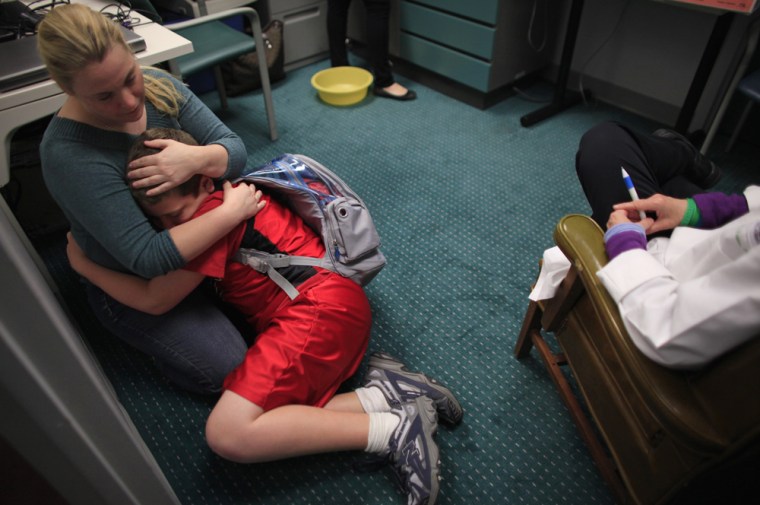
[690, 298]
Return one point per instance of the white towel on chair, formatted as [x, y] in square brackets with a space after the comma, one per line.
[553, 270]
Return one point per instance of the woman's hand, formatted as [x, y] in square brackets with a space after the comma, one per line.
[173, 165]
[669, 212]
[243, 200]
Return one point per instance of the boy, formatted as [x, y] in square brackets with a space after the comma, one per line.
[280, 402]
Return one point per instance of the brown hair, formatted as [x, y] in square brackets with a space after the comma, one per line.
[72, 36]
[139, 149]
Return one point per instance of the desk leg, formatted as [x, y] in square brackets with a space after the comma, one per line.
[560, 101]
[702, 74]
[741, 70]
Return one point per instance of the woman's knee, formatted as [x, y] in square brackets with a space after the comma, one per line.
[602, 138]
[601, 148]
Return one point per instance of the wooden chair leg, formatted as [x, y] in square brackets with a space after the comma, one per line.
[549, 316]
[532, 322]
[606, 466]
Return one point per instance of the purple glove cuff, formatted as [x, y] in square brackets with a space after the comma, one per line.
[624, 237]
[718, 209]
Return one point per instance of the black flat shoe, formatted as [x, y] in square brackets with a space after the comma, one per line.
[703, 172]
[409, 95]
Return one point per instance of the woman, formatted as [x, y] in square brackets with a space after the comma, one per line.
[110, 100]
[693, 293]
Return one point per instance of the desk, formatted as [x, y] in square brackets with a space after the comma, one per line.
[563, 98]
[24, 105]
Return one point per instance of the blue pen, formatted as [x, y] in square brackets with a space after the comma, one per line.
[631, 190]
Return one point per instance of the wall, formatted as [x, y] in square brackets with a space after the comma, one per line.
[641, 55]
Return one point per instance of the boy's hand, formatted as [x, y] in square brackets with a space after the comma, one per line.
[669, 212]
[621, 216]
[243, 200]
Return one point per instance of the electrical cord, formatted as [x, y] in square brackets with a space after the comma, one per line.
[118, 13]
[599, 48]
[540, 47]
[124, 14]
[536, 47]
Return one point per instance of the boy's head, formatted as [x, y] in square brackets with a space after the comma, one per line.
[178, 204]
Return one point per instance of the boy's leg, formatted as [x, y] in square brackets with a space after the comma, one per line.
[241, 431]
[194, 344]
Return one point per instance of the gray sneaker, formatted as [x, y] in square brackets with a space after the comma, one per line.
[413, 454]
[399, 385]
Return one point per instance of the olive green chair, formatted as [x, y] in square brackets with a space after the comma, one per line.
[656, 434]
[215, 42]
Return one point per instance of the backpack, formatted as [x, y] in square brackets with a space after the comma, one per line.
[330, 208]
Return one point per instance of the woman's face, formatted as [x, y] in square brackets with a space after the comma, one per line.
[111, 91]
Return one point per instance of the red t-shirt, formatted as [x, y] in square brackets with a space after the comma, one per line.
[251, 292]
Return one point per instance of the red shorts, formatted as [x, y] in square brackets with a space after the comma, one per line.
[308, 347]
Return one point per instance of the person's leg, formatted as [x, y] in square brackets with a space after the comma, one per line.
[194, 344]
[241, 431]
[308, 347]
[385, 85]
[378, 18]
[654, 164]
[337, 26]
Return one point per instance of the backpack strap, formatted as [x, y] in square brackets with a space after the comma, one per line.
[267, 263]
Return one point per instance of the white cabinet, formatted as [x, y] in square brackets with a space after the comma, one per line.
[193, 8]
[305, 30]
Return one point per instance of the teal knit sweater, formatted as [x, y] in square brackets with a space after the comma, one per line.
[84, 170]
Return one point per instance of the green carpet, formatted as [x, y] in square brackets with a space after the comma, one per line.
[465, 201]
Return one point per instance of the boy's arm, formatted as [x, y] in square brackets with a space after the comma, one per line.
[155, 296]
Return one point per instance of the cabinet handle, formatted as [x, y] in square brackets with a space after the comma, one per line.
[311, 12]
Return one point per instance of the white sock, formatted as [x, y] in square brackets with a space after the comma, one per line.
[372, 400]
[381, 427]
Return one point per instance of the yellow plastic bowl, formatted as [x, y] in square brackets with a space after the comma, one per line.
[342, 85]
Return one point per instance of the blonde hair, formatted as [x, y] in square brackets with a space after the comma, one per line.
[73, 36]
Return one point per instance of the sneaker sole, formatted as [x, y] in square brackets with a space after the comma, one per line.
[450, 411]
[429, 419]
[430, 428]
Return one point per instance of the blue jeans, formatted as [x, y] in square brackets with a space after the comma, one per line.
[195, 345]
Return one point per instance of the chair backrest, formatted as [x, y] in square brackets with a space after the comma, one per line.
[708, 410]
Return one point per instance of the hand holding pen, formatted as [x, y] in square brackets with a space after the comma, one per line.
[668, 211]
[632, 191]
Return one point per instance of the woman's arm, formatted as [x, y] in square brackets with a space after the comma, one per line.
[155, 296]
[685, 324]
